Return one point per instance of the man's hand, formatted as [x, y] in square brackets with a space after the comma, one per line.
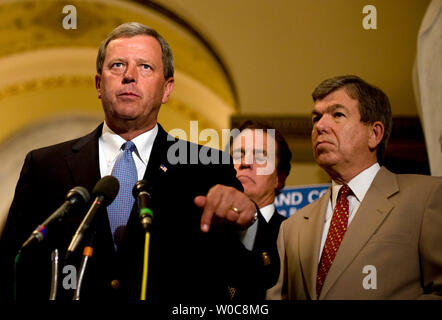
[225, 204]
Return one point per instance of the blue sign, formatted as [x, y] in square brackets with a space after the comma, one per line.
[291, 199]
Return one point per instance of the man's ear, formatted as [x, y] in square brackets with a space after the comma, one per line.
[98, 85]
[168, 88]
[376, 134]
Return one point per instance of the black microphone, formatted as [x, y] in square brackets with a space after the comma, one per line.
[141, 193]
[76, 197]
[105, 192]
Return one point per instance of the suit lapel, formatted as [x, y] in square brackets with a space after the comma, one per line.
[83, 162]
[84, 168]
[276, 219]
[372, 212]
[310, 237]
[156, 170]
[158, 157]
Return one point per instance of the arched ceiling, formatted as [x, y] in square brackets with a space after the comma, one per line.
[43, 60]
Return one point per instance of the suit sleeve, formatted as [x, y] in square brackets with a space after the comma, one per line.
[279, 290]
[431, 244]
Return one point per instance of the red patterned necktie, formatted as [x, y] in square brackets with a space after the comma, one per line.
[338, 227]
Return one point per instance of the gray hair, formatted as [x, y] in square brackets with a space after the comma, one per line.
[373, 103]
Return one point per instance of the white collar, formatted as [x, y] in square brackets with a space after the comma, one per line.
[267, 211]
[359, 185]
[143, 142]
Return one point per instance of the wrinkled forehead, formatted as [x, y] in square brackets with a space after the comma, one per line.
[337, 99]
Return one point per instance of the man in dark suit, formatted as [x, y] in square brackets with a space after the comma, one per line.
[191, 245]
[374, 234]
[261, 159]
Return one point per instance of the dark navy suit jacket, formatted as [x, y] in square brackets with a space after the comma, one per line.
[184, 263]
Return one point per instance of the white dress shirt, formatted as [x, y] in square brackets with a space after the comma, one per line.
[109, 147]
[248, 236]
[359, 186]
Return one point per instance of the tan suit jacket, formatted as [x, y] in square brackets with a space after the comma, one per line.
[397, 230]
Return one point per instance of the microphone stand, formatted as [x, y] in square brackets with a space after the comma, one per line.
[14, 289]
[146, 221]
[87, 254]
[54, 277]
[54, 281]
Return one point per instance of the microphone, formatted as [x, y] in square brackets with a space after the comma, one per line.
[76, 196]
[105, 192]
[140, 192]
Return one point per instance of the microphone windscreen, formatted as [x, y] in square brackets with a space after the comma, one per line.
[79, 191]
[108, 188]
[138, 187]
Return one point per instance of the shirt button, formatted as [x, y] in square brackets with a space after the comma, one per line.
[115, 284]
[265, 258]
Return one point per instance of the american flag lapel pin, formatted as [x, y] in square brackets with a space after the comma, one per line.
[163, 167]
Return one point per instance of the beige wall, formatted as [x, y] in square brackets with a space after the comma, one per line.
[278, 51]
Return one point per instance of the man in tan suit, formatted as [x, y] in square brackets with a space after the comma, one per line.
[374, 234]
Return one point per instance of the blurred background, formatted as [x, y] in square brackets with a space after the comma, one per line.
[235, 60]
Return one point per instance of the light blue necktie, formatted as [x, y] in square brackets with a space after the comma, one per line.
[119, 210]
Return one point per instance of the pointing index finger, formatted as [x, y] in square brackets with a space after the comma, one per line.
[209, 211]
